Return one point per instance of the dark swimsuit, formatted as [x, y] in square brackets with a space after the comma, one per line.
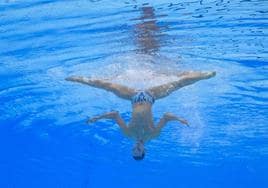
[142, 97]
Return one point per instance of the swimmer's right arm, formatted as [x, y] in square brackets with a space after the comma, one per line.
[114, 115]
[169, 117]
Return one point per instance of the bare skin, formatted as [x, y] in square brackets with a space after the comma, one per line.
[141, 126]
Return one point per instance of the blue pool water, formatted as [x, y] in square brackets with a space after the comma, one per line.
[44, 140]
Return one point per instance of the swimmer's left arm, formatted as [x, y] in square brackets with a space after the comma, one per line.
[172, 117]
[114, 115]
[169, 117]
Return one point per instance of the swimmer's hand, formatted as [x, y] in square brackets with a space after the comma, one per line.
[172, 117]
[92, 120]
[185, 122]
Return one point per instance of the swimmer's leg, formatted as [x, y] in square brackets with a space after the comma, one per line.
[169, 117]
[119, 90]
[114, 115]
[186, 78]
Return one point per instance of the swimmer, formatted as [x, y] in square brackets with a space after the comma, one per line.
[141, 127]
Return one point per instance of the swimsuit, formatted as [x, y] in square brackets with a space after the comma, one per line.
[142, 97]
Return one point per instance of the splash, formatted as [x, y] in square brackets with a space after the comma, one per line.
[137, 70]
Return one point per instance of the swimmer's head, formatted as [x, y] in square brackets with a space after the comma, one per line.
[138, 151]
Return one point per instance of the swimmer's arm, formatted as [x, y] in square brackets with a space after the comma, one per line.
[169, 117]
[114, 115]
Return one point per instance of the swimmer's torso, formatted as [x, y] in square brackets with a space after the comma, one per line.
[141, 125]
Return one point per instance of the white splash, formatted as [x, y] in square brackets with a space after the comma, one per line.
[138, 71]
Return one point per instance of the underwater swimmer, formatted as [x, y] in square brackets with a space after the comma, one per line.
[141, 127]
